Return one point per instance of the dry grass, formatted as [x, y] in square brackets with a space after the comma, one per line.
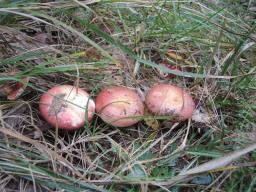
[99, 44]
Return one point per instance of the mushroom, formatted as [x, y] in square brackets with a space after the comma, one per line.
[170, 100]
[66, 107]
[119, 106]
[169, 66]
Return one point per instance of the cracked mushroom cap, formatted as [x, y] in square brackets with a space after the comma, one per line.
[65, 107]
[119, 106]
[170, 100]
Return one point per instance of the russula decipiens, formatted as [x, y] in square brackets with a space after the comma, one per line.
[170, 100]
[119, 106]
[66, 107]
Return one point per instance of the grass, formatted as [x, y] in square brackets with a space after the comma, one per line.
[106, 43]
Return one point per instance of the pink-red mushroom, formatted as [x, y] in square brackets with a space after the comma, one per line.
[66, 107]
[170, 100]
[119, 106]
[169, 66]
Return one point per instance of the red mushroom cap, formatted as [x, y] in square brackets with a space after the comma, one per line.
[65, 107]
[170, 100]
[169, 66]
[116, 104]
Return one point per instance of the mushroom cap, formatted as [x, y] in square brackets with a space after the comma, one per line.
[65, 107]
[169, 66]
[170, 100]
[119, 106]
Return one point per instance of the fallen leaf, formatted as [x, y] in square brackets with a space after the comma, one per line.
[174, 55]
[93, 54]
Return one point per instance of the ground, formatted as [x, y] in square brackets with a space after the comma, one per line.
[97, 44]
